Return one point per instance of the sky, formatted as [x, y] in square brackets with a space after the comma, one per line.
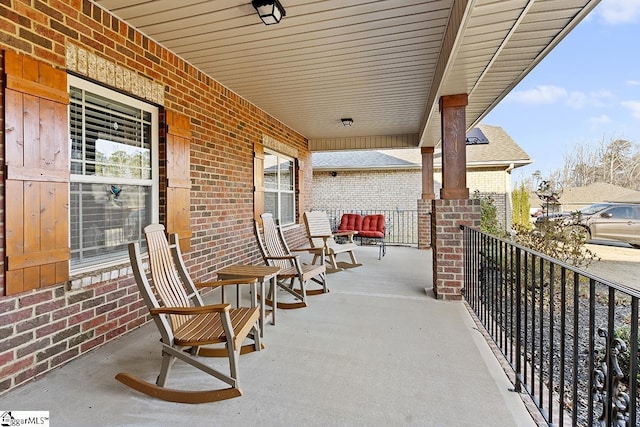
[585, 91]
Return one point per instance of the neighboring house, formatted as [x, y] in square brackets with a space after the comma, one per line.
[392, 179]
[577, 197]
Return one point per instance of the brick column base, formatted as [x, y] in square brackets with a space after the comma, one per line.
[424, 224]
[448, 264]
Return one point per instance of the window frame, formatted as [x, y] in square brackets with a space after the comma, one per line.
[89, 86]
[280, 156]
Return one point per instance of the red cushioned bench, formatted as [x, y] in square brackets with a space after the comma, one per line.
[368, 227]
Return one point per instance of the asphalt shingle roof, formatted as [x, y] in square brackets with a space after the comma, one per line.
[501, 150]
[357, 159]
[599, 192]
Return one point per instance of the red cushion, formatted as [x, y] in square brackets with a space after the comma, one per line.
[350, 222]
[372, 226]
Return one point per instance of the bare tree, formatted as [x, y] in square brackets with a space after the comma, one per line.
[621, 168]
[616, 162]
[580, 167]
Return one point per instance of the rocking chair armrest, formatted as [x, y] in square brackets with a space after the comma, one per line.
[325, 238]
[213, 308]
[321, 236]
[226, 282]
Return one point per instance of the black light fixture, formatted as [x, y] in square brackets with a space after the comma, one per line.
[270, 11]
[347, 122]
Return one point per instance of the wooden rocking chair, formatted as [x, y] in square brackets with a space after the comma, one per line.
[186, 324]
[322, 241]
[276, 252]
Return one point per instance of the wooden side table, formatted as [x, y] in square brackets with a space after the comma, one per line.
[262, 273]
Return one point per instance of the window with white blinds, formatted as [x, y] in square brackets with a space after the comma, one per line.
[279, 187]
[114, 165]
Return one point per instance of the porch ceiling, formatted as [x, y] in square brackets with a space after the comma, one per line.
[384, 63]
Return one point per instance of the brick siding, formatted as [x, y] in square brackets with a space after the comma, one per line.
[373, 189]
[401, 188]
[448, 250]
[424, 224]
[43, 329]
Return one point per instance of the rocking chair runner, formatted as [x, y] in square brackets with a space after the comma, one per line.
[186, 324]
[322, 241]
[276, 252]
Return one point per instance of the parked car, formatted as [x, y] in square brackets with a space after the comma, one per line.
[620, 222]
[552, 216]
[606, 221]
[582, 213]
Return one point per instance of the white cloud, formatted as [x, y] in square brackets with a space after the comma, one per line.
[549, 94]
[633, 82]
[601, 119]
[540, 95]
[634, 107]
[596, 98]
[577, 100]
[619, 11]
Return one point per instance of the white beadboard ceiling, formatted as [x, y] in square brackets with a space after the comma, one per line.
[384, 63]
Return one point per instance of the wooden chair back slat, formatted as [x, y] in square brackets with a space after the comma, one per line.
[164, 274]
[274, 244]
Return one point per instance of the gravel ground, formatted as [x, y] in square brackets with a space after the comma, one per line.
[618, 263]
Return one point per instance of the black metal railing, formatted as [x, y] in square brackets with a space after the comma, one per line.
[571, 337]
[401, 224]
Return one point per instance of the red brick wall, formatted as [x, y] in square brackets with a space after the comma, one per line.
[448, 252]
[424, 224]
[43, 329]
[296, 237]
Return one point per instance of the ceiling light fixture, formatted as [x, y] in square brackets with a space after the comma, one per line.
[270, 11]
[347, 122]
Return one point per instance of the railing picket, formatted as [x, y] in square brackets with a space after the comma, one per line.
[495, 299]
[511, 298]
[552, 309]
[519, 353]
[609, 359]
[633, 360]
[541, 333]
[500, 293]
[576, 331]
[533, 322]
[526, 312]
[563, 337]
[592, 330]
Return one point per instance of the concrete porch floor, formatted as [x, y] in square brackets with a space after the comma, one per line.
[376, 350]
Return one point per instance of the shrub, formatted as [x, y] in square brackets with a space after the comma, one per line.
[561, 239]
[520, 216]
[488, 215]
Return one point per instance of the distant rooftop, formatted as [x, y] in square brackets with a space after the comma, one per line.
[599, 192]
[486, 146]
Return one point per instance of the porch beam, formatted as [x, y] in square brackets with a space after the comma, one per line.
[454, 154]
[427, 173]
